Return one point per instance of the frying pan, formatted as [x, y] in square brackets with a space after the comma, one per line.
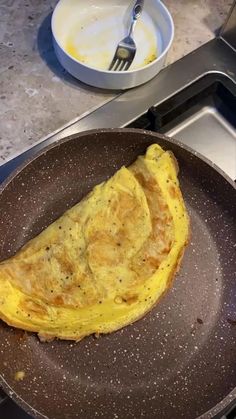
[180, 359]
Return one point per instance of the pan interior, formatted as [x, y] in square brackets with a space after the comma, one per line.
[179, 360]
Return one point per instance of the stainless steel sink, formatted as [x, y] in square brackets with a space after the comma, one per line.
[211, 135]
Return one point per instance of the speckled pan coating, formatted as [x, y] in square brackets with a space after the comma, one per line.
[179, 361]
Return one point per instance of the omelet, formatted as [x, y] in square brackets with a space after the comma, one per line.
[106, 261]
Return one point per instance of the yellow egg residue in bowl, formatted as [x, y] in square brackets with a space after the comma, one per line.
[93, 41]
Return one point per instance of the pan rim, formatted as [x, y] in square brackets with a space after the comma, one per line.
[220, 406]
[230, 397]
[19, 401]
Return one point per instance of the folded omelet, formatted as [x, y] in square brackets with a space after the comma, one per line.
[106, 261]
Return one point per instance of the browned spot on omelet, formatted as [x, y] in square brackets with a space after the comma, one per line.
[154, 262]
[124, 206]
[130, 299]
[159, 243]
[174, 192]
[63, 259]
[33, 307]
[104, 250]
[58, 300]
[149, 183]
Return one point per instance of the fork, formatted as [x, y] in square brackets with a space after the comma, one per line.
[126, 48]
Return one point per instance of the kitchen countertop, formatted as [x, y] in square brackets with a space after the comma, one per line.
[38, 96]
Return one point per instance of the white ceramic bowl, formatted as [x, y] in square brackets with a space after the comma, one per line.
[86, 33]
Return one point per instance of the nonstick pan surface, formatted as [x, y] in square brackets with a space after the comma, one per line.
[179, 361]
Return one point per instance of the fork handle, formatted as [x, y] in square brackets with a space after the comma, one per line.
[136, 12]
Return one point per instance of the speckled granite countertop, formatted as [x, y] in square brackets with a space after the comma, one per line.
[37, 96]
